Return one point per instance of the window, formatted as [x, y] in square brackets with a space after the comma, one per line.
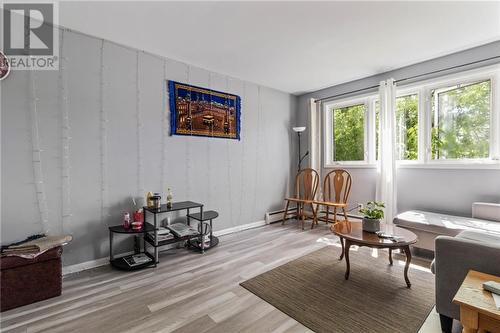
[348, 133]
[449, 122]
[461, 117]
[406, 127]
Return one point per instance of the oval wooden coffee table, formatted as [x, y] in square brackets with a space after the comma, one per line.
[351, 233]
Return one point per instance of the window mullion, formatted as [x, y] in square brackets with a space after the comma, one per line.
[495, 118]
[424, 125]
[371, 130]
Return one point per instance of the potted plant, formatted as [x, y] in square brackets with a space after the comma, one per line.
[372, 214]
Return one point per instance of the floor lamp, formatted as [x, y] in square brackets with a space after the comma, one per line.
[299, 131]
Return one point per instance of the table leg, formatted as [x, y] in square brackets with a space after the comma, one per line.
[111, 257]
[342, 243]
[407, 251]
[211, 233]
[390, 256]
[469, 318]
[346, 254]
[469, 330]
[202, 243]
[156, 240]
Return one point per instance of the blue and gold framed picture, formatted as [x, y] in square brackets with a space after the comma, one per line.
[203, 112]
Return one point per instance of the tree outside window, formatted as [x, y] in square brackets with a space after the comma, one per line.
[348, 133]
[406, 127]
[461, 122]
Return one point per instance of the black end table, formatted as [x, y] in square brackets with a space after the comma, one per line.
[202, 217]
[120, 262]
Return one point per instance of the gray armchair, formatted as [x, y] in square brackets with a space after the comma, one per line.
[474, 249]
[454, 257]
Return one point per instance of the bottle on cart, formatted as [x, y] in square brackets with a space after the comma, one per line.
[126, 221]
[170, 198]
[149, 202]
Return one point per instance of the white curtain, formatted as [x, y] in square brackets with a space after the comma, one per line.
[386, 170]
[314, 135]
[315, 138]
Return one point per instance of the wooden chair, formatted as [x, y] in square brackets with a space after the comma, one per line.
[336, 190]
[306, 186]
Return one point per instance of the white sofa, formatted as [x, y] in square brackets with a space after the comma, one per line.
[427, 225]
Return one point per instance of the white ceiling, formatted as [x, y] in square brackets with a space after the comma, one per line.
[291, 46]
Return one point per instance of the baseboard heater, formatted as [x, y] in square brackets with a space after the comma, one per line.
[277, 215]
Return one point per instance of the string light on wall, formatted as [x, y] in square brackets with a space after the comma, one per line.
[65, 137]
[37, 157]
[257, 152]
[188, 145]
[164, 127]
[228, 157]
[104, 139]
[209, 154]
[243, 160]
[140, 169]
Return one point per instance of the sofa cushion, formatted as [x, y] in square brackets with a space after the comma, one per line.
[482, 237]
[486, 211]
[443, 224]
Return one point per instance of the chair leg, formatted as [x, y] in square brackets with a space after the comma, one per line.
[345, 214]
[286, 211]
[297, 216]
[334, 215]
[302, 215]
[446, 323]
[314, 216]
[315, 211]
[327, 214]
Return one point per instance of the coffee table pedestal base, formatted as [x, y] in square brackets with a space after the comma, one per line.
[345, 253]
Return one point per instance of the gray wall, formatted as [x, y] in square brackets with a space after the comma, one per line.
[451, 190]
[240, 179]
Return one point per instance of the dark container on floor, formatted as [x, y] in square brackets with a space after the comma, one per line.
[25, 281]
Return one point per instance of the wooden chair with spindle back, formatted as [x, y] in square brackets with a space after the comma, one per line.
[336, 190]
[306, 186]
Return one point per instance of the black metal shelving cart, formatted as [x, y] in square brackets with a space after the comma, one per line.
[176, 206]
[149, 233]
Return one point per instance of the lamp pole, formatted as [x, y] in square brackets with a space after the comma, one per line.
[300, 161]
[299, 131]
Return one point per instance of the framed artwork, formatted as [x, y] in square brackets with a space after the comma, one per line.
[203, 112]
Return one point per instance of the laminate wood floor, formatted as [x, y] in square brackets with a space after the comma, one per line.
[187, 292]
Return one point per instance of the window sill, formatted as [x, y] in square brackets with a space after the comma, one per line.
[350, 166]
[493, 165]
[447, 165]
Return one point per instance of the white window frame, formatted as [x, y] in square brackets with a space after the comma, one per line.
[423, 89]
[328, 132]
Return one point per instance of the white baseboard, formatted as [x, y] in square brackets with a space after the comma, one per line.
[240, 228]
[85, 265]
[105, 261]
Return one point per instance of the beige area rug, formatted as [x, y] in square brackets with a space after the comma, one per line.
[313, 291]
